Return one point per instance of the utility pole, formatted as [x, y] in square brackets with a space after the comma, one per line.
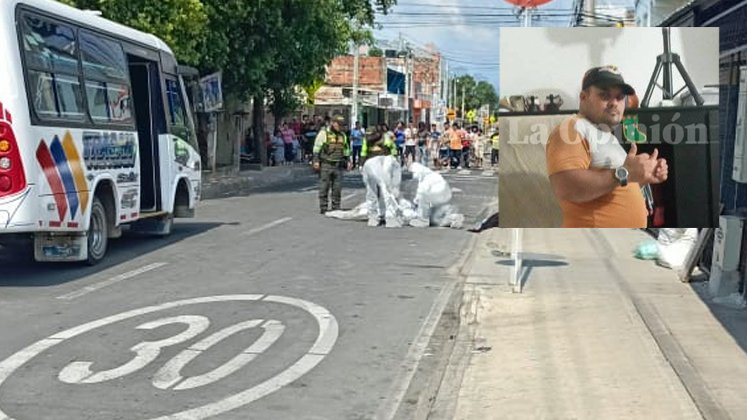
[454, 92]
[354, 111]
[462, 101]
[409, 82]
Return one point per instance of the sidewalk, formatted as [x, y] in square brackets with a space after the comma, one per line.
[596, 334]
[224, 183]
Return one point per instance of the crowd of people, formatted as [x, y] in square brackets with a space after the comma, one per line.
[452, 146]
[292, 142]
[381, 154]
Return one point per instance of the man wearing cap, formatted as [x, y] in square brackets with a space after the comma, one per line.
[596, 182]
[331, 155]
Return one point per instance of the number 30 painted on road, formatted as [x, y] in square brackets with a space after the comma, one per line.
[79, 372]
[169, 376]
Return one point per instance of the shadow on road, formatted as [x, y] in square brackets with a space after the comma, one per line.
[20, 270]
[733, 320]
[530, 261]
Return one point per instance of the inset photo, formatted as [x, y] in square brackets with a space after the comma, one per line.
[609, 127]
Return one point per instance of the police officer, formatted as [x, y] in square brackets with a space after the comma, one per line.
[378, 143]
[331, 155]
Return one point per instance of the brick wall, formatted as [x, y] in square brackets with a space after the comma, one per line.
[371, 73]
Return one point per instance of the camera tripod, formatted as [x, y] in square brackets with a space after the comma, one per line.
[664, 63]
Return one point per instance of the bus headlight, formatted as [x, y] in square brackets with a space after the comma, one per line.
[5, 163]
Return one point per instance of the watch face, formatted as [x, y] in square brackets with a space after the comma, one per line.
[621, 173]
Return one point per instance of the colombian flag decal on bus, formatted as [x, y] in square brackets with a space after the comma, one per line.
[62, 167]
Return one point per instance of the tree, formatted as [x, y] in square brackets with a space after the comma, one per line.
[265, 48]
[179, 23]
[375, 52]
[476, 93]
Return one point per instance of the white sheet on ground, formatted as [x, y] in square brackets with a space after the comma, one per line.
[431, 206]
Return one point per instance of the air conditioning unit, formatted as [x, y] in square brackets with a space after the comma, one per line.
[727, 245]
[739, 172]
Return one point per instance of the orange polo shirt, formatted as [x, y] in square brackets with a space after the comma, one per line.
[577, 144]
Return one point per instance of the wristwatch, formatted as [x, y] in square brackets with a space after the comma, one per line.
[621, 174]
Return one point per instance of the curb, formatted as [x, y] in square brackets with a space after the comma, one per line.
[425, 387]
[231, 184]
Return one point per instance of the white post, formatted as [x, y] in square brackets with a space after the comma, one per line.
[516, 273]
[462, 103]
[527, 17]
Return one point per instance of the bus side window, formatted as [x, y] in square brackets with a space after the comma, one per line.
[107, 82]
[51, 50]
[178, 120]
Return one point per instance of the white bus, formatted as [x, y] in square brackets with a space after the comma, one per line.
[95, 132]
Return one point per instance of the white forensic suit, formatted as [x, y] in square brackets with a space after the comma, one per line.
[382, 176]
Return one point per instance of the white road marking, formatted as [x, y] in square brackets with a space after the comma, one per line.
[116, 279]
[170, 374]
[328, 333]
[309, 189]
[349, 196]
[79, 372]
[267, 226]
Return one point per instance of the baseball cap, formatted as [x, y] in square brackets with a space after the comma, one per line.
[338, 118]
[606, 76]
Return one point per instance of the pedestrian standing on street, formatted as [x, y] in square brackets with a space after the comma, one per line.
[399, 138]
[495, 144]
[410, 143]
[423, 138]
[434, 146]
[455, 146]
[356, 137]
[278, 146]
[288, 135]
[331, 158]
[466, 138]
[479, 146]
[309, 134]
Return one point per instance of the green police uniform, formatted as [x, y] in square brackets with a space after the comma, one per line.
[378, 144]
[331, 150]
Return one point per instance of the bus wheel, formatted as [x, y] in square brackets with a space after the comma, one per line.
[98, 235]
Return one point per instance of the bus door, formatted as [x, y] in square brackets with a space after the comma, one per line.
[149, 116]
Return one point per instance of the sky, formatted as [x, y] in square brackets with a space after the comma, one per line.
[466, 32]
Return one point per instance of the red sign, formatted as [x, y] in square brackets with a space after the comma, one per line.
[528, 3]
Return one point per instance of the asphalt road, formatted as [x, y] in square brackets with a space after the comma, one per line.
[258, 308]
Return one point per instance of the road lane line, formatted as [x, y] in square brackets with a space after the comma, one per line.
[267, 226]
[349, 196]
[116, 279]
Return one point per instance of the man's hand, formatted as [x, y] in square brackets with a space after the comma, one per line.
[661, 173]
[350, 166]
[644, 168]
[315, 166]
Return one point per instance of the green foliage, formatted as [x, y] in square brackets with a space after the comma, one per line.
[179, 23]
[264, 47]
[476, 93]
[375, 52]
